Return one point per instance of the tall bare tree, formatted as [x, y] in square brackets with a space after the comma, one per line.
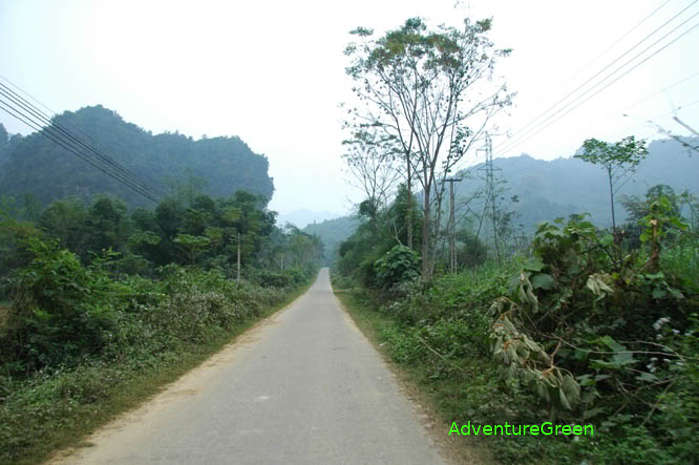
[371, 160]
[433, 93]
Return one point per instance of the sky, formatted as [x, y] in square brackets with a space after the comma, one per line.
[272, 72]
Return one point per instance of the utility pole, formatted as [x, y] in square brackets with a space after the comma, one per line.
[238, 273]
[451, 227]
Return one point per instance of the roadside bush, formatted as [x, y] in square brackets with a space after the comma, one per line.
[61, 310]
[399, 265]
[603, 338]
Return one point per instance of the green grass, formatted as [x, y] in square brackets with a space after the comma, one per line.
[55, 410]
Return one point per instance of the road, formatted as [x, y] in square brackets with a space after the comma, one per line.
[304, 387]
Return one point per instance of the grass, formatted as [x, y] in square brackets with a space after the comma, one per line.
[60, 409]
[442, 396]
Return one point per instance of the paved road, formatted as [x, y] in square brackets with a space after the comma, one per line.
[303, 388]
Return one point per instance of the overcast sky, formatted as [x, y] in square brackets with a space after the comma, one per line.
[272, 72]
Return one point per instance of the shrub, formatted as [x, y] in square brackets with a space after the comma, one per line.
[399, 265]
[61, 309]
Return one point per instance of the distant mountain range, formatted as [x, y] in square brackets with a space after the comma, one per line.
[550, 189]
[547, 190]
[216, 166]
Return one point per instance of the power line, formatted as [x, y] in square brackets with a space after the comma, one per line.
[575, 103]
[529, 127]
[18, 99]
[671, 86]
[50, 133]
[61, 142]
[58, 138]
[21, 109]
[624, 36]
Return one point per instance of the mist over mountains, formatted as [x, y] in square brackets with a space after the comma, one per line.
[547, 190]
[215, 166]
[550, 189]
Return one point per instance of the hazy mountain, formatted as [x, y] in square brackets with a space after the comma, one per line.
[550, 189]
[333, 232]
[219, 166]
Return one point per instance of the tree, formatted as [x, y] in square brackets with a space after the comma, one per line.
[192, 246]
[619, 160]
[429, 91]
[372, 162]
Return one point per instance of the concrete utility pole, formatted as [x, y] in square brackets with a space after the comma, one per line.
[451, 227]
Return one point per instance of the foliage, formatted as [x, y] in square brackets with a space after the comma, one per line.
[618, 160]
[37, 165]
[577, 333]
[397, 266]
[426, 96]
[77, 339]
[61, 310]
[586, 334]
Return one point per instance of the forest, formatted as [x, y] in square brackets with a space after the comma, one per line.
[36, 169]
[101, 304]
[567, 320]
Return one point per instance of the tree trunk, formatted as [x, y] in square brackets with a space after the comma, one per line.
[409, 213]
[611, 199]
[426, 265]
[452, 232]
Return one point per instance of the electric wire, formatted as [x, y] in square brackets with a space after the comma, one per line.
[57, 138]
[46, 132]
[46, 120]
[575, 103]
[50, 133]
[524, 133]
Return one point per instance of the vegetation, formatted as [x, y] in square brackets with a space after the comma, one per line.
[427, 95]
[577, 325]
[619, 160]
[331, 233]
[550, 189]
[174, 163]
[105, 305]
[569, 335]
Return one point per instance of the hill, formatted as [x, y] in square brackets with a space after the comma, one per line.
[332, 233]
[550, 189]
[219, 166]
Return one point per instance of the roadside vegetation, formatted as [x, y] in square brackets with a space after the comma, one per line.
[574, 324]
[102, 307]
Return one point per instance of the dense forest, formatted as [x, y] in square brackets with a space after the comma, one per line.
[37, 166]
[571, 318]
[101, 304]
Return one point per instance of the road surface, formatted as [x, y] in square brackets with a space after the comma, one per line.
[304, 387]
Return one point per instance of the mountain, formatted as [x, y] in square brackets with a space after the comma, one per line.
[332, 233]
[550, 189]
[217, 166]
